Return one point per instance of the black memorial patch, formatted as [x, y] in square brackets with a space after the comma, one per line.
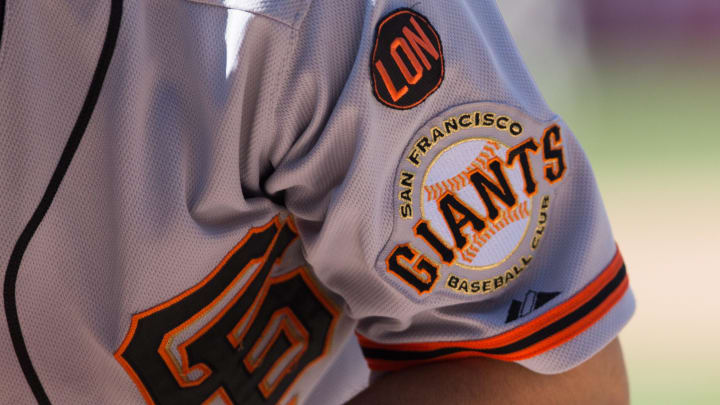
[407, 62]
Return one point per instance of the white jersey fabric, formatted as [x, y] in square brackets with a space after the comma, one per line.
[224, 201]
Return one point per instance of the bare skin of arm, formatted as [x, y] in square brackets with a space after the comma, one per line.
[600, 380]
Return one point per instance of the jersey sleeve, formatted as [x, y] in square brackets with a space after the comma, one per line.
[438, 195]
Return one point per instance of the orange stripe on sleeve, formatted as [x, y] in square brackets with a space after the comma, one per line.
[551, 329]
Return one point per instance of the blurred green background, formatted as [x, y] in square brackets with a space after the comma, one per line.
[639, 83]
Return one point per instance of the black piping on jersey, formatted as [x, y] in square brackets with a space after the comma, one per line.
[73, 142]
[2, 20]
[544, 333]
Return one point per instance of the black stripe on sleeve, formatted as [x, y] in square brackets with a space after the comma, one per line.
[61, 169]
[536, 337]
[2, 19]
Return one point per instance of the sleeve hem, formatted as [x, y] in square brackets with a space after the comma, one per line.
[546, 332]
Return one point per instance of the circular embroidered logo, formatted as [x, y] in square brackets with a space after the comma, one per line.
[466, 183]
[473, 191]
[407, 60]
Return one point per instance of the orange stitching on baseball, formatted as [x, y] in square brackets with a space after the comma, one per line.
[462, 179]
[479, 239]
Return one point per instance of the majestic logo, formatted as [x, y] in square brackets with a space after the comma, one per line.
[407, 61]
[532, 301]
[473, 191]
[240, 336]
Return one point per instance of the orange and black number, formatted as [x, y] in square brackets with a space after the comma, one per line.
[252, 350]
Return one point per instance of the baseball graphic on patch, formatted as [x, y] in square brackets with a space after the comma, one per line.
[469, 200]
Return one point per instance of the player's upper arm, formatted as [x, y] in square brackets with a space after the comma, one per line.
[436, 193]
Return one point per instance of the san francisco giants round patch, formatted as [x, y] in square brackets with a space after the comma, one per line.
[472, 196]
[407, 60]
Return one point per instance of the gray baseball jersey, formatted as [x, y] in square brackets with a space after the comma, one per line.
[228, 201]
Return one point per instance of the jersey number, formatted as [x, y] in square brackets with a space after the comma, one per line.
[239, 336]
